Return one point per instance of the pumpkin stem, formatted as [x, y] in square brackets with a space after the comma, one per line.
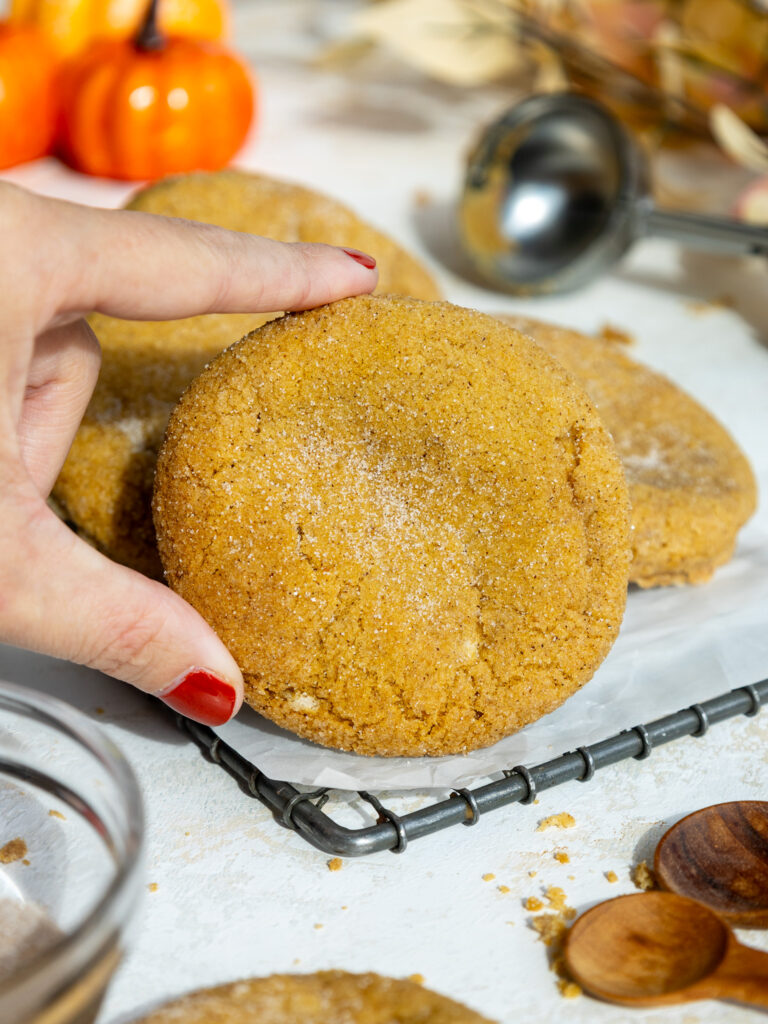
[149, 36]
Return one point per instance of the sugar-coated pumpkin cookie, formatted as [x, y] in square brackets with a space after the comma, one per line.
[327, 997]
[690, 486]
[405, 520]
[105, 485]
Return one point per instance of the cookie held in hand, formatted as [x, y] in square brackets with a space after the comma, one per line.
[105, 486]
[405, 520]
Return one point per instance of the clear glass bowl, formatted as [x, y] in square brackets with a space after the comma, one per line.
[71, 839]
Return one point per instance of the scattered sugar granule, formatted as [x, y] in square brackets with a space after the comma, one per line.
[503, 888]
[611, 876]
[563, 820]
[56, 814]
[14, 849]
[562, 857]
[153, 886]
[488, 876]
[533, 903]
[643, 877]
[609, 332]
[335, 864]
[418, 979]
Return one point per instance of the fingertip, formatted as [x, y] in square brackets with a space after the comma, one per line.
[204, 695]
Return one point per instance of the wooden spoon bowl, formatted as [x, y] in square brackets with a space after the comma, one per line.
[719, 856]
[657, 948]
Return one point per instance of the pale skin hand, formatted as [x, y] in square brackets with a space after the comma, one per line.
[57, 261]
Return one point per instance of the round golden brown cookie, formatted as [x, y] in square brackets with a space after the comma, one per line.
[690, 486]
[405, 520]
[328, 997]
[105, 485]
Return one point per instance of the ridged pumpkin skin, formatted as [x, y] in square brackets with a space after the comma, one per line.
[140, 114]
[27, 95]
[71, 25]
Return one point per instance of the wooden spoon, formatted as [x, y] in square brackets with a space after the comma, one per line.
[657, 948]
[719, 856]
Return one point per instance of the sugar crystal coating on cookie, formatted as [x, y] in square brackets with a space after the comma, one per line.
[690, 486]
[326, 997]
[105, 485]
[404, 519]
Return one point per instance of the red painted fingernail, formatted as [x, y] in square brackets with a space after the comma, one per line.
[361, 257]
[203, 696]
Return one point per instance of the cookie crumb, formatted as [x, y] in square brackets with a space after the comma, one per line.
[488, 877]
[335, 864]
[26, 862]
[417, 979]
[422, 197]
[153, 887]
[563, 820]
[611, 876]
[568, 989]
[551, 928]
[503, 888]
[555, 897]
[14, 849]
[345, 907]
[56, 814]
[609, 332]
[533, 903]
[532, 874]
[99, 711]
[562, 857]
[318, 927]
[711, 305]
[643, 876]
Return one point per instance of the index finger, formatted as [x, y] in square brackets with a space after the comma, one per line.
[142, 266]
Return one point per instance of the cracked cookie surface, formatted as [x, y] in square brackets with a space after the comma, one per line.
[690, 486]
[326, 997]
[105, 486]
[405, 520]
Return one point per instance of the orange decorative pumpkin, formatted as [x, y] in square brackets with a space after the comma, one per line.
[71, 25]
[154, 106]
[27, 95]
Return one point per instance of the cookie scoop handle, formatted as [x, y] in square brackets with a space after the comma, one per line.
[716, 234]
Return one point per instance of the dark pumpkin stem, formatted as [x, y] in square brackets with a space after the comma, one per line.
[149, 37]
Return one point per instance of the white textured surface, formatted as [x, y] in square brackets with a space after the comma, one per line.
[237, 894]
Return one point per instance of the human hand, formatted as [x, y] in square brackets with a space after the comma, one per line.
[57, 261]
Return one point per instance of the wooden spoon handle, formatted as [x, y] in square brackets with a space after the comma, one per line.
[743, 975]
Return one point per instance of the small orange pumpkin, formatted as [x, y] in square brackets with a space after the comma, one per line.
[71, 25]
[154, 106]
[27, 95]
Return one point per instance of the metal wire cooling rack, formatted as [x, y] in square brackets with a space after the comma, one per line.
[303, 811]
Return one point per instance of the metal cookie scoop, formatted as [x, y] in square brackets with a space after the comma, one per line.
[557, 190]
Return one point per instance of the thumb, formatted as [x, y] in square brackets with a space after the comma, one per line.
[73, 603]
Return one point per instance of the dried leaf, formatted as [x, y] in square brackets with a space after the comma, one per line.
[457, 41]
[737, 139]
